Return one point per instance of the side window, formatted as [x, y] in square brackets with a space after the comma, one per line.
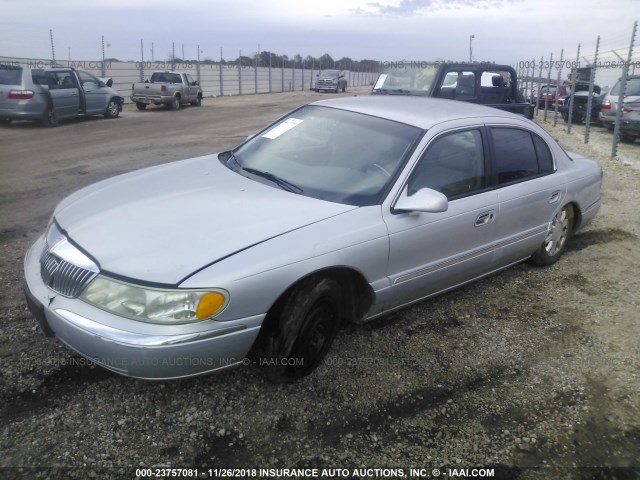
[88, 80]
[61, 80]
[515, 155]
[190, 79]
[453, 165]
[519, 154]
[545, 160]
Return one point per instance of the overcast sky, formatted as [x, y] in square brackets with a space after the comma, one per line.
[505, 31]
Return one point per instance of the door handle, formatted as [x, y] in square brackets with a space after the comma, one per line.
[555, 196]
[484, 218]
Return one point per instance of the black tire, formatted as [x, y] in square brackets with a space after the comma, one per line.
[344, 88]
[317, 90]
[141, 106]
[50, 119]
[113, 109]
[556, 240]
[175, 103]
[627, 138]
[197, 102]
[5, 121]
[305, 328]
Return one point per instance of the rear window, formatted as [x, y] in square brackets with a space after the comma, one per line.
[10, 75]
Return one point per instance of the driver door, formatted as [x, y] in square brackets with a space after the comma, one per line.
[432, 252]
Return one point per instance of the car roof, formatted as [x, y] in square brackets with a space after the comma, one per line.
[421, 112]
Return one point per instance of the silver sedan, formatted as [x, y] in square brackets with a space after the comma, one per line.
[342, 211]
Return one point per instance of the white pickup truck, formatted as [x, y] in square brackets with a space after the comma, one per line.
[167, 88]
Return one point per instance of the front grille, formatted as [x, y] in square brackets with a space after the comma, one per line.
[61, 276]
[326, 83]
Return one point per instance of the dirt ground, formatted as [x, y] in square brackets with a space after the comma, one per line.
[533, 372]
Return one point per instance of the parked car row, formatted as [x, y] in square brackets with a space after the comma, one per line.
[604, 106]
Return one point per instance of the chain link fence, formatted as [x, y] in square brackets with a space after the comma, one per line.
[572, 86]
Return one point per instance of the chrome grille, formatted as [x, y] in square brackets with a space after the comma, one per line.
[326, 82]
[61, 276]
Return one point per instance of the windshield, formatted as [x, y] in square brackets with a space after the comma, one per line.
[327, 153]
[10, 75]
[406, 77]
[329, 73]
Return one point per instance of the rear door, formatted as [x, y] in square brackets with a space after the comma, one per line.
[529, 190]
[64, 92]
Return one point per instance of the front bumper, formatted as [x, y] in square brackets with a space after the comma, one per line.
[136, 349]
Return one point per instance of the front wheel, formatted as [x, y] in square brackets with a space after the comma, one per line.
[197, 102]
[113, 109]
[555, 242]
[307, 325]
[141, 106]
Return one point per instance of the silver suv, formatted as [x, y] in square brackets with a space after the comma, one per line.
[53, 94]
[610, 102]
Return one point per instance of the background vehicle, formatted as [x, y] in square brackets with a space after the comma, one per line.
[630, 123]
[484, 83]
[167, 88]
[548, 93]
[332, 80]
[342, 210]
[54, 94]
[611, 99]
[579, 101]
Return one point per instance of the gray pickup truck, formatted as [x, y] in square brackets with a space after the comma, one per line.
[167, 88]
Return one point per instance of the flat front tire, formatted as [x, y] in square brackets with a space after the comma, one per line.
[555, 242]
[305, 329]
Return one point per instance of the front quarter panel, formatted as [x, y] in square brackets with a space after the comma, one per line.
[258, 276]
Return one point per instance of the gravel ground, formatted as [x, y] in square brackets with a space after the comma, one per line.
[533, 371]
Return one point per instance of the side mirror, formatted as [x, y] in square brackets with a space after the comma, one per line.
[424, 200]
[195, 83]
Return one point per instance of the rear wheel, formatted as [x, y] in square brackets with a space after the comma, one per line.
[304, 330]
[141, 106]
[113, 109]
[556, 240]
[175, 103]
[50, 119]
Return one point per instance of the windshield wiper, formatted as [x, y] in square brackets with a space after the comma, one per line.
[394, 91]
[281, 182]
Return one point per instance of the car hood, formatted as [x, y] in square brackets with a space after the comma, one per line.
[162, 224]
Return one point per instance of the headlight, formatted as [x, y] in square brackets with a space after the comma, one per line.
[154, 305]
